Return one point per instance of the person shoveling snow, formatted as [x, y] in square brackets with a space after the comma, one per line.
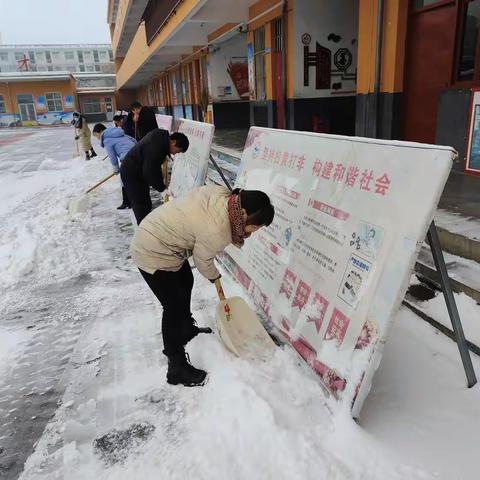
[200, 224]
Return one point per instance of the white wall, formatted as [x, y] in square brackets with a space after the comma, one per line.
[320, 19]
[232, 51]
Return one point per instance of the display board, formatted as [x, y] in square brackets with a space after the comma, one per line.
[190, 168]
[164, 121]
[332, 269]
[472, 160]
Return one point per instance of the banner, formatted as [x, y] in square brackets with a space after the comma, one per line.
[332, 269]
[164, 121]
[190, 168]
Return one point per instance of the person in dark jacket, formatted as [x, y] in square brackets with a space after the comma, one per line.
[140, 121]
[142, 167]
[116, 144]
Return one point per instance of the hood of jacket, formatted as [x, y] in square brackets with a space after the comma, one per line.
[112, 132]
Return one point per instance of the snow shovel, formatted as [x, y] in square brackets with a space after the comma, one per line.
[239, 328]
[80, 204]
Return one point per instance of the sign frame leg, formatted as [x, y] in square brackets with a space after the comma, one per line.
[441, 268]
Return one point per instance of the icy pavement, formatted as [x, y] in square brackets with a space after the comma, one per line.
[82, 388]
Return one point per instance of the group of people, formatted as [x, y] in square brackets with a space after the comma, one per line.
[199, 225]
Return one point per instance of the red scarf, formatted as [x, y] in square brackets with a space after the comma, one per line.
[237, 223]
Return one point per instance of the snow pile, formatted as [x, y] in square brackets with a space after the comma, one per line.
[118, 419]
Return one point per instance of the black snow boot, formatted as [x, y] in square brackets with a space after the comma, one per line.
[125, 203]
[87, 156]
[93, 153]
[181, 372]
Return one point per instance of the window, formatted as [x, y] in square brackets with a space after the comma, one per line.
[54, 102]
[88, 56]
[4, 57]
[95, 56]
[56, 56]
[69, 56]
[103, 56]
[110, 55]
[40, 57]
[50, 68]
[422, 3]
[80, 56]
[19, 56]
[82, 68]
[31, 56]
[48, 56]
[24, 98]
[97, 68]
[2, 105]
[91, 105]
[259, 57]
[469, 42]
[90, 68]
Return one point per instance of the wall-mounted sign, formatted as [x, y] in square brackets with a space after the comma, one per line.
[472, 158]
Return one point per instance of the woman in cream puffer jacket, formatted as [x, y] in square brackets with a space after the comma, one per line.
[199, 225]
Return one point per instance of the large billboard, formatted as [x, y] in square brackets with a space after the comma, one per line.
[190, 168]
[332, 269]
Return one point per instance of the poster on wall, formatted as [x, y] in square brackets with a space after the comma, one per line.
[251, 72]
[332, 269]
[164, 121]
[40, 102]
[190, 168]
[68, 101]
[472, 159]
[238, 71]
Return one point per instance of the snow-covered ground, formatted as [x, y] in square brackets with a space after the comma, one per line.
[84, 395]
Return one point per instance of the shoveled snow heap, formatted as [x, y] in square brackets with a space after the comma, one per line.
[118, 418]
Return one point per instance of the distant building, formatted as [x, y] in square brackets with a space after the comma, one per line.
[55, 58]
[44, 84]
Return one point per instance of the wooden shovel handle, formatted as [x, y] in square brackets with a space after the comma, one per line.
[100, 182]
[218, 286]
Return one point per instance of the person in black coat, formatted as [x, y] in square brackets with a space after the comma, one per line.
[140, 121]
[142, 167]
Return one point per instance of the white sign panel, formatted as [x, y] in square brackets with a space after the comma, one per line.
[164, 121]
[190, 168]
[332, 269]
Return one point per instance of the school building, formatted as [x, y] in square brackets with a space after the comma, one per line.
[395, 69]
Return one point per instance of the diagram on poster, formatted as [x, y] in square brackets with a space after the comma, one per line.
[190, 168]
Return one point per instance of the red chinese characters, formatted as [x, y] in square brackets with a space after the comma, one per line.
[301, 295]
[337, 327]
[288, 283]
[320, 304]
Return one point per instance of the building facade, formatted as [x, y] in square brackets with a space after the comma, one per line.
[44, 84]
[395, 69]
[54, 58]
[33, 98]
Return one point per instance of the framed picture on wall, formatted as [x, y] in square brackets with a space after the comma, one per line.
[472, 157]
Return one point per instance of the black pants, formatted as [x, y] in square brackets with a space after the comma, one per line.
[174, 290]
[138, 193]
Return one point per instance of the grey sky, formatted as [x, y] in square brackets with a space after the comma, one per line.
[54, 21]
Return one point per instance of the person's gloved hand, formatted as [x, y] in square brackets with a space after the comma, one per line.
[77, 137]
[215, 279]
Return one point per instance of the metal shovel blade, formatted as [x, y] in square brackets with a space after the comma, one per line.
[241, 331]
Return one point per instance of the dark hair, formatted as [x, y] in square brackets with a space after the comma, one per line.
[99, 128]
[75, 114]
[181, 140]
[257, 204]
[117, 118]
[135, 104]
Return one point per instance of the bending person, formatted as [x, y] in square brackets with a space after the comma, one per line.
[116, 145]
[142, 167]
[200, 225]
